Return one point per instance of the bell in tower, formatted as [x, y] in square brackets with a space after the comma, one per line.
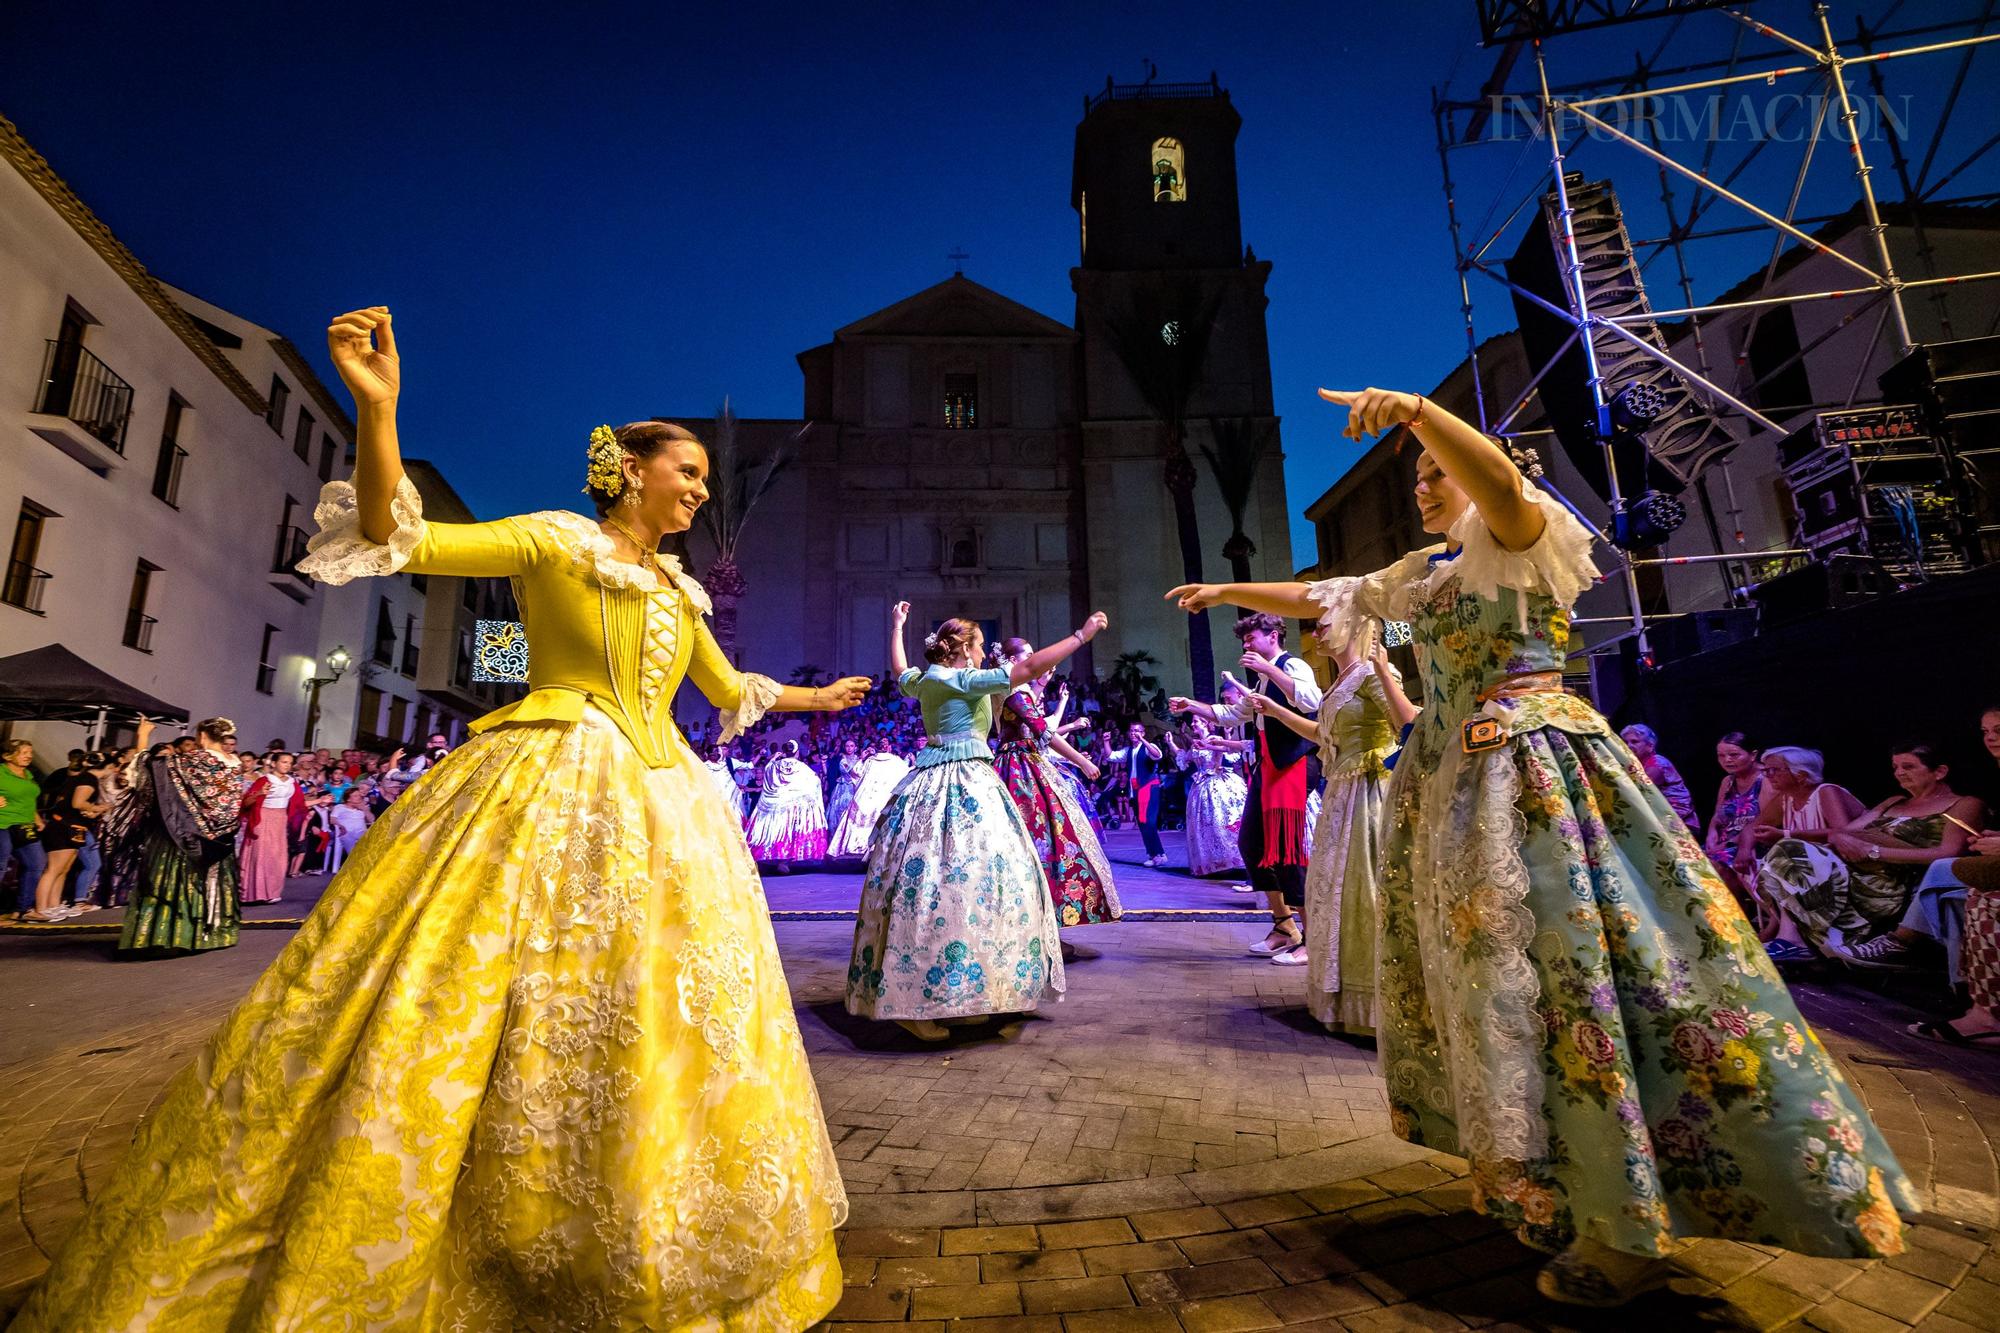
[1154, 182]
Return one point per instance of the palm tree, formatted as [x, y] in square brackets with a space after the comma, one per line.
[1161, 334]
[1133, 682]
[735, 485]
[1233, 459]
[810, 676]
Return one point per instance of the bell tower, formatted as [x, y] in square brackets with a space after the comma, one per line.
[1175, 374]
[1154, 177]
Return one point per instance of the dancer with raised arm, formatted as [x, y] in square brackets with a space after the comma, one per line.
[532, 1062]
[1276, 830]
[1078, 870]
[956, 920]
[880, 772]
[1215, 797]
[1569, 996]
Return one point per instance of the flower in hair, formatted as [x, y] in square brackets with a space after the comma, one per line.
[607, 464]
[931, 639]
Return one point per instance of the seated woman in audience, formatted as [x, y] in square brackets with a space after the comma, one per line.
[1856, 883]
[1644, 743]
[1796, 802]
[1937, 909]
[1736, 803]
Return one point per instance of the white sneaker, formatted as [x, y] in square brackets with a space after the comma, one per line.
[1290, 957]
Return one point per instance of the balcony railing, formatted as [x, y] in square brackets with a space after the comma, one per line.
[24, 586]
[139, 630]
[77, 385]
[1153, 92]
[290, 550]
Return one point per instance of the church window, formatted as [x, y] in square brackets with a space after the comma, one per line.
[1169, 172]
[961, 402]
[1170, 333]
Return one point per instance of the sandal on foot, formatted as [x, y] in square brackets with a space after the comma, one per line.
[1294, 957]
[1939, 1029]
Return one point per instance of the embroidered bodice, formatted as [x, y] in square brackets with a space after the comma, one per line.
[1023, 722]
[604, 631]
[1355, 731]
[1203, 765]
[1480, 619]
[957, 704]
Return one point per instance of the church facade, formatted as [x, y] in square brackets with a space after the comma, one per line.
[977, 458]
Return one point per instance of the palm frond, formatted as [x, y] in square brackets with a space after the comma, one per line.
[1233, 459]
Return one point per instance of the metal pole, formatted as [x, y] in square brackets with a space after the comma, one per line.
[1458, 261]
[1772, 218]
[1658, 355]
[1836, 70]
[1572, 264]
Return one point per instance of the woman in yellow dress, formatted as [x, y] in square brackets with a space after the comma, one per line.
[532, 1063]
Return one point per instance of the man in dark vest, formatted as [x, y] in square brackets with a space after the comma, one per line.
[1138, 764]
[1274, 839]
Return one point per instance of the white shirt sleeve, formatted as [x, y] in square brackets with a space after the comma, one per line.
[1307, 700]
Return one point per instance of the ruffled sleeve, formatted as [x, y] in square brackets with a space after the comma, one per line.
[760, 693]
[1349, 602]
[339, 554]
[1558, 563]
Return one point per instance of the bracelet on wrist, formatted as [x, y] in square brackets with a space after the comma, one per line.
[1423, 405]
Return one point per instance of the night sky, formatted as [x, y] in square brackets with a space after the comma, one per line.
[601, 212]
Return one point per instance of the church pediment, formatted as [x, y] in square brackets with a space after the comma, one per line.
[957, 308]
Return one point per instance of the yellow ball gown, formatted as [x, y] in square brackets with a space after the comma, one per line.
[532, 1063]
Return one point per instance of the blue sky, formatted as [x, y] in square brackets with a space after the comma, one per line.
[601, 212]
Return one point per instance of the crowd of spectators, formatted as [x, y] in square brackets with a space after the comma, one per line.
[51, 821]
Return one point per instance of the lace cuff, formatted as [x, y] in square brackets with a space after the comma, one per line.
[339, 554]
[1341, 609]
[1558, 563]
[759, 694]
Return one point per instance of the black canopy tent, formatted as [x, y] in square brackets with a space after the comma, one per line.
[53, 684]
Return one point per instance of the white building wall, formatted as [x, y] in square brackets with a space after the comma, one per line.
[215, 590]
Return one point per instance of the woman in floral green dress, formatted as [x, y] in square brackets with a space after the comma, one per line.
[1569, 997]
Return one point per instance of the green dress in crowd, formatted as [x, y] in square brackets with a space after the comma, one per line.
[1342, 877]
[1570, 997]
[179, 856]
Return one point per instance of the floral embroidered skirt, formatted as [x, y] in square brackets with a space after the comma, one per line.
[180, 905]
[1214, 815]
[1341, 895]
[1572, 999]
[955, 917]
[1079, 873]
[531, 1064]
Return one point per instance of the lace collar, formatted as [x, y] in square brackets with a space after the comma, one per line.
[594, 553]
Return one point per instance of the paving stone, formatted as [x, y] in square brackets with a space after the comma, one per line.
[1031, 1266]
[987, 1240]
[1399, 1318]
[872, 1304]
[985, 1298]
[1319, 1300]
[1231, 1314]
[1218, 1246]
[1122, 1321]
[1759, 1304]
[884, 1243]
[1232, 1277]
[1259, 1212]
[1064, 1295]
[1143, 1257]
[1008, 1323]
[956, 1271]
[1976, 1302]
[1173, 1223]
[1815, 1279]
[1086, 1235]
[1900, 1295]
[1839, 1316]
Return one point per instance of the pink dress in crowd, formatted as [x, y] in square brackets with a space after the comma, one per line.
[267, 841]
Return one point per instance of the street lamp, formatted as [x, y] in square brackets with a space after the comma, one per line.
[337, 663]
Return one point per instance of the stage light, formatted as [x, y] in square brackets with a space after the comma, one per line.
[1638, 405]
[1648, 519]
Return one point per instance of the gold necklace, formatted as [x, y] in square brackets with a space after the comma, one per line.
[650, 555]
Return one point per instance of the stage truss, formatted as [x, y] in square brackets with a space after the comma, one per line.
[1781, 63]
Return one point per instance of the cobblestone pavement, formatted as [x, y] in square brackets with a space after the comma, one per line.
[1175, 1146]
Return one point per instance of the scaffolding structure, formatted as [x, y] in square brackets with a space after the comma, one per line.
[1564, 116]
